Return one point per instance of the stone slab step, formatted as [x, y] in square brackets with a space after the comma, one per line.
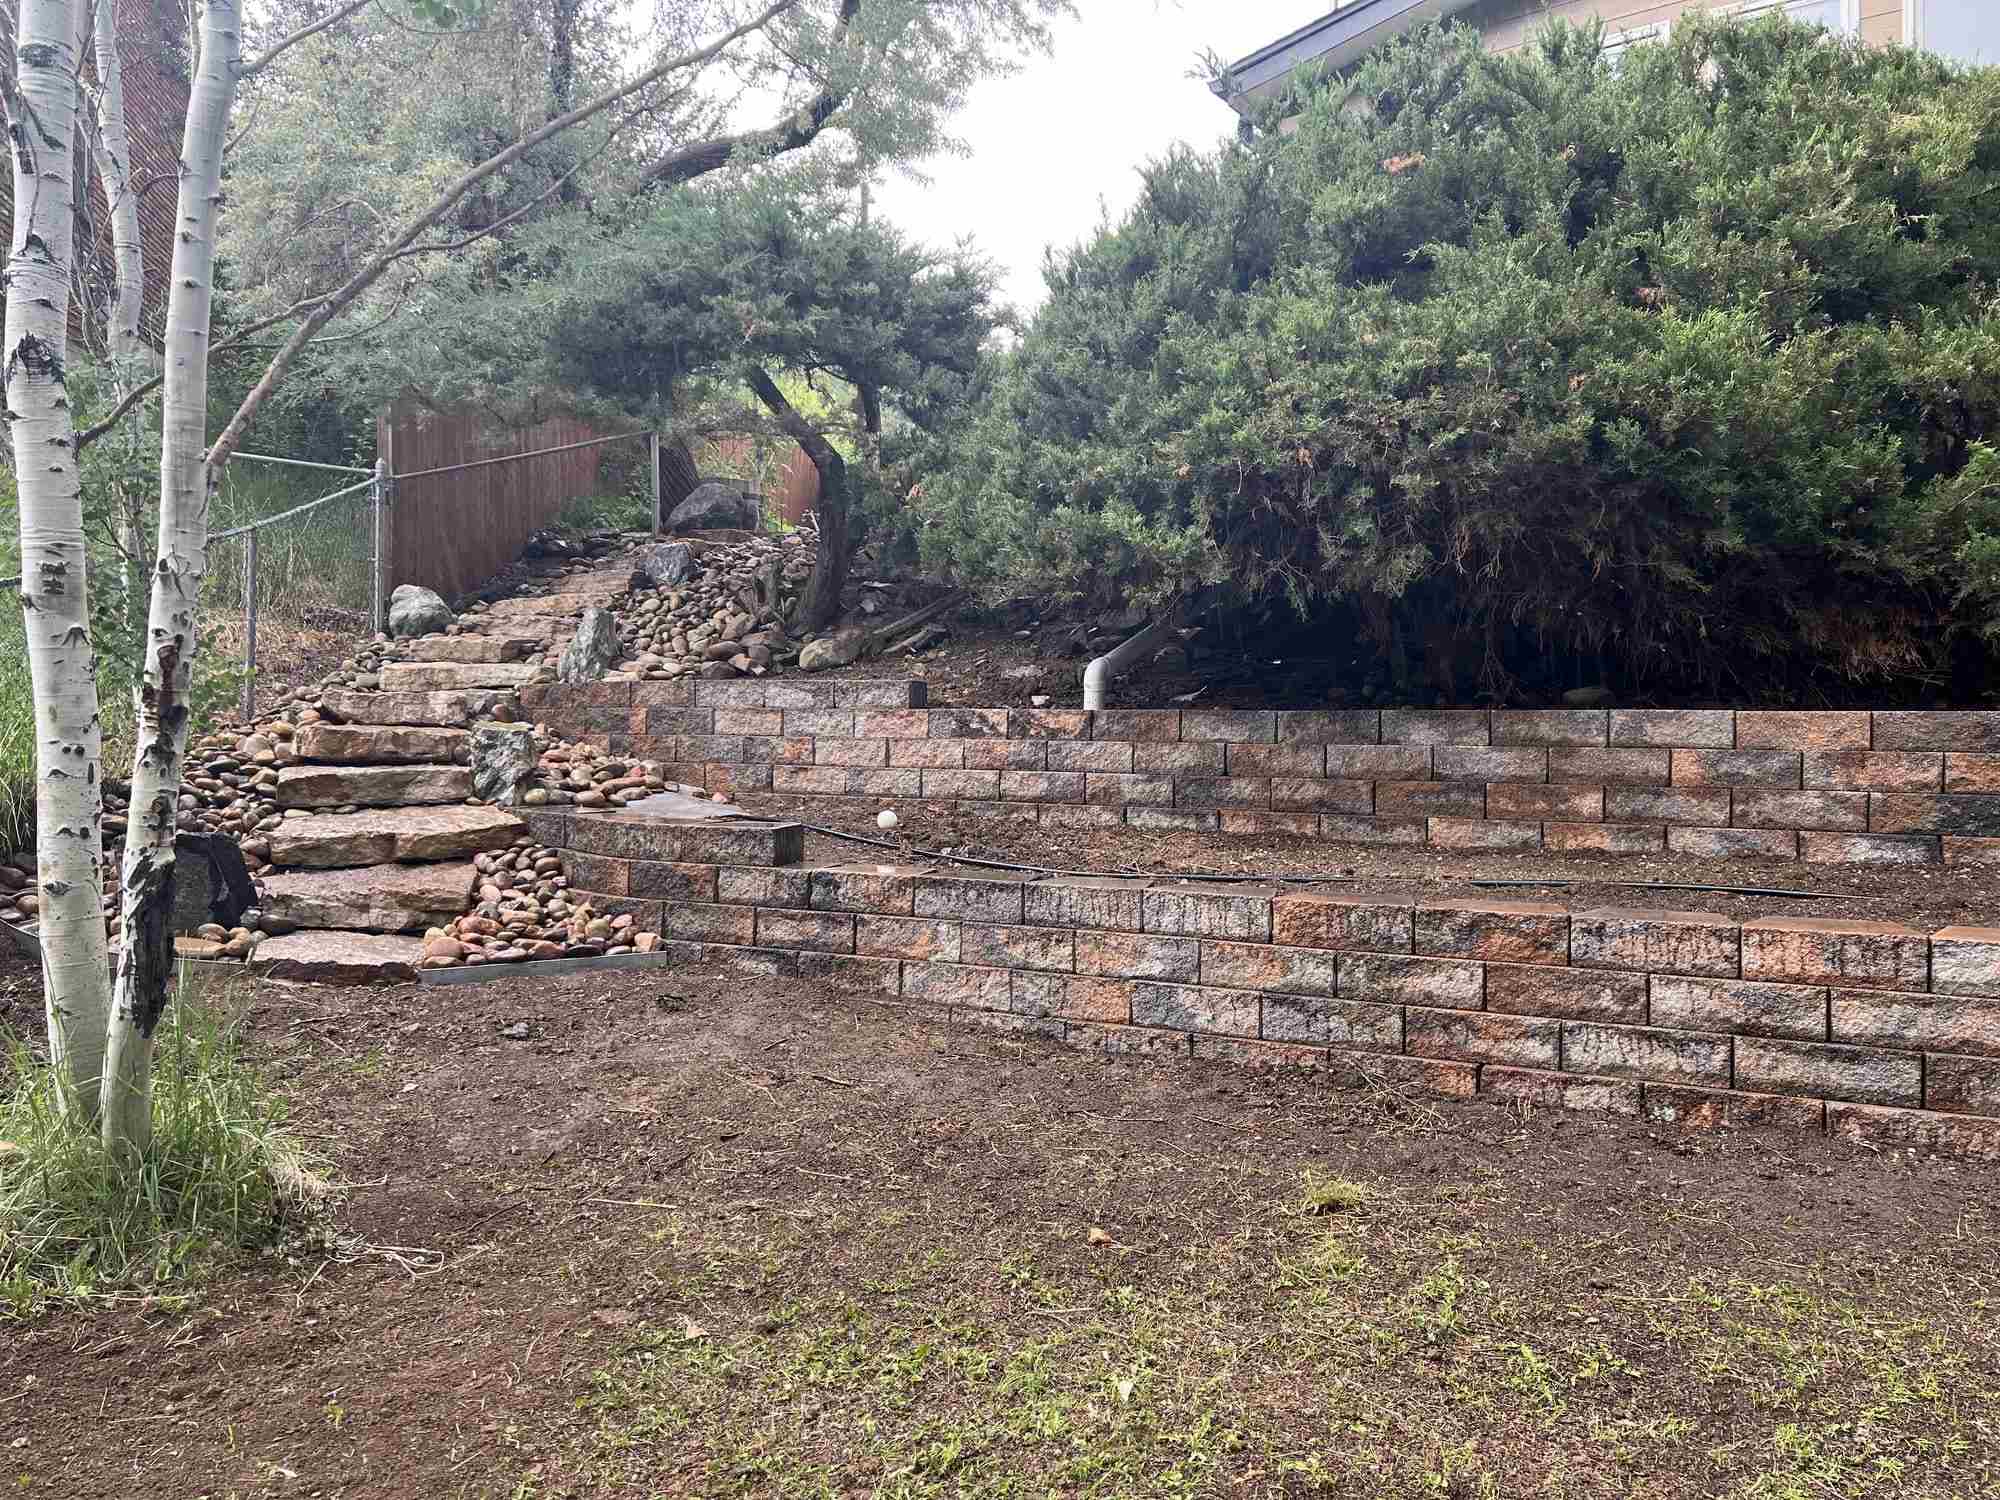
[379, 744]
[516, 646]
[339, 957]
[387, 835]
[444, 676]
[372, 786]
[558, 606]
[371, 898]
[440, 708]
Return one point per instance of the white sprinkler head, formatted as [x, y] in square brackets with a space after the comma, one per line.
[886, 819]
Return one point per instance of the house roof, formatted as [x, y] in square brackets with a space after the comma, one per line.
[1334, 40]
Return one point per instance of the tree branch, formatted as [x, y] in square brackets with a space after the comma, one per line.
[692, 161]
[231, 435]
[332, 18]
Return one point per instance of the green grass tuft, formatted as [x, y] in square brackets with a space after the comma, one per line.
[223, 1173]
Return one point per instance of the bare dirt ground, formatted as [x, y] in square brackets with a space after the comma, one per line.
[706, 1235]
[1926, 896]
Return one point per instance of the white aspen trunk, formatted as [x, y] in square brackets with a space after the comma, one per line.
[131, 360]
[146, 964]
[41, 114]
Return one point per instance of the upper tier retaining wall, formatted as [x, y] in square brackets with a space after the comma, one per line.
[1837, 787]
[1863, 1028]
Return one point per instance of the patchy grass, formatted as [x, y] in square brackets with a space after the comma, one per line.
[1420, 1350]
[719, 1235]
[223, 1173]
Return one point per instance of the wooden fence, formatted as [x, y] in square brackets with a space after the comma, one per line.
[452, 528]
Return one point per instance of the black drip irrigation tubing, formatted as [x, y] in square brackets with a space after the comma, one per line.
[1287, 879]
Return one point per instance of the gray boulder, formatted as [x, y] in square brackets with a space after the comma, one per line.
[594, 651]
[718, 505]
[417, 611]
[670, 564]
[840, 649]
[503, 762]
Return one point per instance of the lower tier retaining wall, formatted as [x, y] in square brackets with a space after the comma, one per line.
[1837, 787]
[1865, 1029]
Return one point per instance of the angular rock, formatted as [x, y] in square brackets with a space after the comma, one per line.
[446, 676]
[386, 835]
[717, 505]
[669, 564]
[371, 898]
[503, 762]
[378, 744]
[593, 651]
[477, 648]
[417, 611]
[338, 958]
[433, 708]
[371, 786]
[840, 649]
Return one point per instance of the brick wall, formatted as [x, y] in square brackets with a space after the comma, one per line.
[1904, 788]
[1863, 1029]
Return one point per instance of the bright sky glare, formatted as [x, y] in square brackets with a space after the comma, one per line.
[1059, 144]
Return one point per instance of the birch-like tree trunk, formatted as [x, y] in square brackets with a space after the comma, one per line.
[146, 964]
[131, 360]
[41, 118]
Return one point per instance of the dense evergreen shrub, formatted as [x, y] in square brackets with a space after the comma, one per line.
[1686, 363]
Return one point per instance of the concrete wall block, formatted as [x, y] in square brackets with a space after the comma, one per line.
[1483, 1037]
[1330, 919]
[1192, 909]
[1821, 1070]
[1436, 726]
[1672, 942]
[1647, 1052]
[1393, 980]
[1674, 728]
[1571, 994]
[1259, 966]
[1521, 932]
[1343, 1023]
[812, 931]
[1835, 950]
[1742, 1007]
[1760, 730]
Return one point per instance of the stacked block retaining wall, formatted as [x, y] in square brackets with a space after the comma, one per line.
[1865, 1029]
[1834, 787]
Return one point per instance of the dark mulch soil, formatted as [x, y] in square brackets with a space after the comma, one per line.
[703, 1234]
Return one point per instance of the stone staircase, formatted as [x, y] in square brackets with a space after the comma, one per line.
[379, 831]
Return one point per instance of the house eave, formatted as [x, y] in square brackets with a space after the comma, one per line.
[1334, 40]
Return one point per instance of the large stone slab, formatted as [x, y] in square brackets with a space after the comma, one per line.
[372, 786]
[372, 898]
[379, 744]
[557, 605]
[435, 708]
[390, 834]
[446, 676]
[338, 957]
[477, 648]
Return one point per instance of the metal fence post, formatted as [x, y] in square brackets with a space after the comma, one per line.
[653, 478]
[379, 498]
[250, 626]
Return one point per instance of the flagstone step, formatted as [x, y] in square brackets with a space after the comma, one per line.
[332, 957]
[446, 676]
[536, 606]
[371, 898]
[379, 744]
[514, 646]
[433, 708]
[390, 835]
[371, 786]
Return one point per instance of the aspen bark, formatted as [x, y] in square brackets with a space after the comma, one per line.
[146, 963]
[41, 120]
[131, 360]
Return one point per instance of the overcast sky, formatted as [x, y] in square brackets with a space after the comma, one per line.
[1067, 134]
